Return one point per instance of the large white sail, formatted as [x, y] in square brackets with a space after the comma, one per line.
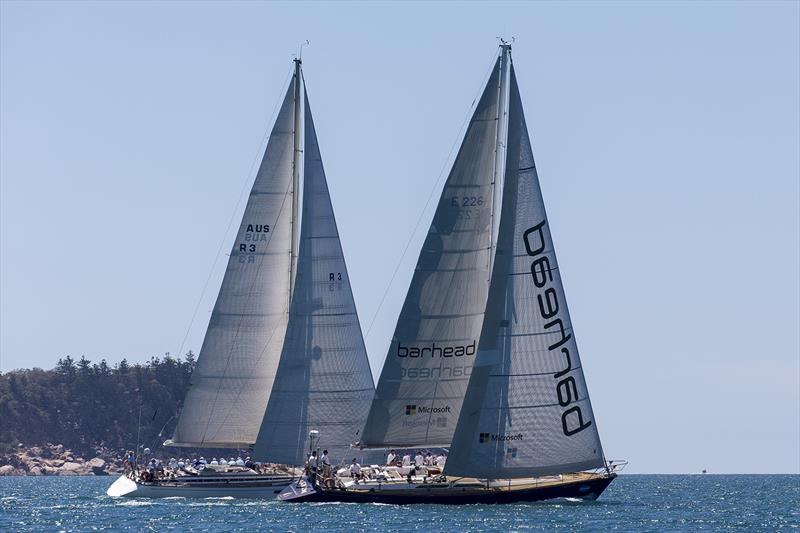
[236, 366]
[527, 410]
[323, 381]
[425, 375]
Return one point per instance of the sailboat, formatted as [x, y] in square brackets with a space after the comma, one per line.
[283, 361]
[483, 360]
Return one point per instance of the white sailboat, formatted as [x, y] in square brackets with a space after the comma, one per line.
[283, 356]
[484, 359]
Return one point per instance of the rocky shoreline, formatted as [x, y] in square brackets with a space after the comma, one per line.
[55, 460]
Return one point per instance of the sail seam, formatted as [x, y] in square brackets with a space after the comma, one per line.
[509, 407]
[534, 374]
[532, 334]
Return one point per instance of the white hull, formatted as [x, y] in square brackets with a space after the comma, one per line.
[259, 487]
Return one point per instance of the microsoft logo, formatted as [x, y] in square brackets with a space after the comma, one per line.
[411, 410]
[483, 438]
[511, 453]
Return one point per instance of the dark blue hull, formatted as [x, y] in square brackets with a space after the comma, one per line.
[587, 489]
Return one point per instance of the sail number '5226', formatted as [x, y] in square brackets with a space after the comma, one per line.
[466, 201]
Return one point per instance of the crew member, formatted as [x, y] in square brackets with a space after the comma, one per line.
[312, 467]
[419, 460]
[355, 470]
[326, 465]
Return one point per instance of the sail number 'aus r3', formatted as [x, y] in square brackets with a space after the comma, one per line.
[253, 233]
[572, 420]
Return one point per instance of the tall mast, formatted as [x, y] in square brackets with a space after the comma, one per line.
[500, 146]
[295, 175]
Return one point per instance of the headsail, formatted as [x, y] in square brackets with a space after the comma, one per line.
[323, 380]
[424, 377]
[527, 410]
[236, 366]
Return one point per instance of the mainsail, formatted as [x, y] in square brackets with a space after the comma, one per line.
[236, 366]
[430, 357]
[527, 410]
[484, 359]
[323, 380]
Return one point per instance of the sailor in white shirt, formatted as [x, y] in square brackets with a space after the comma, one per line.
[418, 459]
[390, 458]
[407, 459]
[326, 466]
[312, 467]
[440, 459]
[428, 459]
[355, 470]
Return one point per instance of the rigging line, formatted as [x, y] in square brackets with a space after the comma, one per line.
[233, 215]
[447, 162]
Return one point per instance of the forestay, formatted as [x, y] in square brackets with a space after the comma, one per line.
[237, 362]
[425, 375]
[527, 410]
[323, 380]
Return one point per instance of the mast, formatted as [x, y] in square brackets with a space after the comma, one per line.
[295, 175]
[500, 146]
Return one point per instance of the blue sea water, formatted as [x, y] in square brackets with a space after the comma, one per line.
[631, 503]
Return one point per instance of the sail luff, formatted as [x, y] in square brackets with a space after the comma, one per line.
[296, 151]
[501, 136]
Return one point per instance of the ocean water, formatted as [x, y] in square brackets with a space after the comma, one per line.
[631, 503]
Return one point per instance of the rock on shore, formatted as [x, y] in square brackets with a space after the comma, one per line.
[55, 460]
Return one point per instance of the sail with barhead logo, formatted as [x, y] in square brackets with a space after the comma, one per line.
[434, 344]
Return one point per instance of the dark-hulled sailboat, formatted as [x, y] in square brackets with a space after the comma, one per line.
[483, 360]
[283, 355]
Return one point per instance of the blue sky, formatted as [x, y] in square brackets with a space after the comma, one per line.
[666, 137]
